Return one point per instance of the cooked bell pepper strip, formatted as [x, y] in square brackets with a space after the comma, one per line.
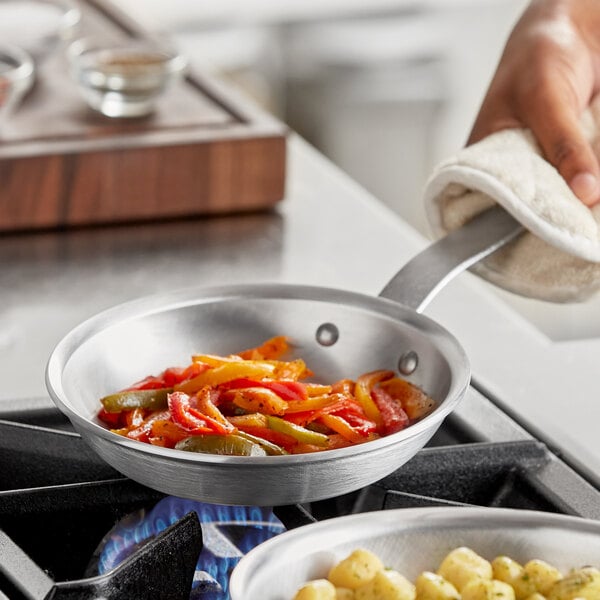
[286, 390]
[188, 418]
[287, 442]
[393, 417]
[176, 375]
[338, 403]
[213, 360]
[152, 399]
[343, 386]
[144, 430]
[311, 404]
[316, 389]
[304, 436]
[113, 420]
[229, 445]
[134, 418]
[362, 392]
[273, 348]
[224, 373]
[341, 426]
[166, 433]
[208, 408]
[358, 421]
[259, 400]
[294, 369]
[251, 420]
[269, 447]
[414, 401]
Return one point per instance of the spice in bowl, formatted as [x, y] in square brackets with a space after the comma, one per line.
[124, 80]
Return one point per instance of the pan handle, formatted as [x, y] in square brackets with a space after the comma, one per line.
[419, 280]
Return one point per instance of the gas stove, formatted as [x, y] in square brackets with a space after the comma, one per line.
[63, 511]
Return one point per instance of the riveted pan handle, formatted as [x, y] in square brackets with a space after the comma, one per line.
[424, 275]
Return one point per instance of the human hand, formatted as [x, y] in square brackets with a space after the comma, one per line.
[547, 76]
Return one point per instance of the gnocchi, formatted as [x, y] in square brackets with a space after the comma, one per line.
[462, 575]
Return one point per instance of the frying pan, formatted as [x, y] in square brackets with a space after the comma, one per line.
[338, 333]
[413, 540]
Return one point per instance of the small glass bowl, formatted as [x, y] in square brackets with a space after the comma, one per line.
[124, 79]
[16, 77]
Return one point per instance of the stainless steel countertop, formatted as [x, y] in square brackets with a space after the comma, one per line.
[328, 231]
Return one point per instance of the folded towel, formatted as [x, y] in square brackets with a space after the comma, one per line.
[558, 259]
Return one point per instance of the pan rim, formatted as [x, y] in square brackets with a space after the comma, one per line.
[198, 295]
[401, 520]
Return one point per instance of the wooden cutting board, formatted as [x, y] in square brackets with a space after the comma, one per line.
[205, 149]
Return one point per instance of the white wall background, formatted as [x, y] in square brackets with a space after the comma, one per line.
[386, 88]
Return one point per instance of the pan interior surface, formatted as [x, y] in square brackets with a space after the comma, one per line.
[122, 346]
[411, 541]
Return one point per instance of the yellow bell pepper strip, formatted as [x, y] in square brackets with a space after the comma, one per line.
[306, 415]
[150, 399]
[257, 399]
[224, 373]
[272, 349]
[317, 389]
[341, 426]
[311, 404]
[250, 420]
[362, 391]
[213, 360]
[304, 436]
[414, 401]
[286, 390]
[294, 370]
[229, 445]
[269, 447]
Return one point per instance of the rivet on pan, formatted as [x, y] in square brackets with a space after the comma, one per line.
[327, 334]
[408, 362]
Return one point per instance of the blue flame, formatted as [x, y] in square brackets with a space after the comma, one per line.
[228, 533]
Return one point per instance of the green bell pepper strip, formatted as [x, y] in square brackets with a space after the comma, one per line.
[151, 399]
[228, 445]
[269, 447]
[304, 436]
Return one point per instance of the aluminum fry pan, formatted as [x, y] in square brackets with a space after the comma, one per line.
[338, 333]
[412, 540]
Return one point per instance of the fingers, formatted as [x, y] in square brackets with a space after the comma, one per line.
[559, 134]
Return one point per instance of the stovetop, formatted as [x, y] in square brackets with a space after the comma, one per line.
[58, 500]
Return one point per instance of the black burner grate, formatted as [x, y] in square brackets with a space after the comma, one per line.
[58, 500]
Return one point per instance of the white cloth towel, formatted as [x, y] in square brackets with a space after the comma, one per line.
[558, 259]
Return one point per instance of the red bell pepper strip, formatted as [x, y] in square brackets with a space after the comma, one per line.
[191, 419]
[286, 390]
[362, 391]
[393, 416]
[206, 402]
[113, 420]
